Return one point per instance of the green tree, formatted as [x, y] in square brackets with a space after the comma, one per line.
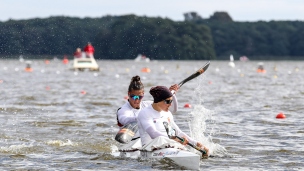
[157, 38]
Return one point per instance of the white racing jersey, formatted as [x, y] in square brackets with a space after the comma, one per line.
[151, 125]
[127, 114]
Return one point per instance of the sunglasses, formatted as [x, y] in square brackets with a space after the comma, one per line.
[168, 101]
[134, 97]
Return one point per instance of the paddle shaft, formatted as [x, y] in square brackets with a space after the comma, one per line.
[194, 75]
[193, 146]
[166, 125]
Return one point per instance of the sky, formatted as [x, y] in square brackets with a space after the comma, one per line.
[239, 10]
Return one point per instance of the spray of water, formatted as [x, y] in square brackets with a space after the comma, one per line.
[202, 123]
[61, 143]
[17, 149]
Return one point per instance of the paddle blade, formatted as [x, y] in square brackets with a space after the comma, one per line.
[194, 75]
[126, 133]
[124, 136]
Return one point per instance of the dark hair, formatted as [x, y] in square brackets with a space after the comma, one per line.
[135, 84]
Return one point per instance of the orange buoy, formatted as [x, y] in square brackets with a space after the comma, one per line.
[65, 60]
[187, 105]
[83, 92]
[28, 69]
[280, 116]
[261, 70]
[47, 88]
[126, 97]
[145, 69]
[47, 62]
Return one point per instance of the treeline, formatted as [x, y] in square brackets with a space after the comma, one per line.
[257, 40]
[156, 38]
[274, 39]
[51, 36]
[113, 37]
[124, 37]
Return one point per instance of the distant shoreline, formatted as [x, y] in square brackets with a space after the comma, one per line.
[221, 58]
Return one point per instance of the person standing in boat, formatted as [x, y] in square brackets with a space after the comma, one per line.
[151, 122]
[128, 112]
[78, 53]
[89, 50]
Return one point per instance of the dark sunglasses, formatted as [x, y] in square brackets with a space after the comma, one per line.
[168, 101]
[134, 97]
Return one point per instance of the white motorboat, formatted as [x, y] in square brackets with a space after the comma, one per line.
[141, 58]
[82, 64]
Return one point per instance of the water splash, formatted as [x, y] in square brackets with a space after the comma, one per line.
[113, 148]
[203, 125]
[17, 149]
[61, 143]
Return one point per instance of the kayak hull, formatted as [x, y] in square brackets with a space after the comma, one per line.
[182, 158]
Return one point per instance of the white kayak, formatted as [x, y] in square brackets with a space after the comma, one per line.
[181, 157]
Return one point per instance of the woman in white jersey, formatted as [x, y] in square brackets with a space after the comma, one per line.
[151, 119]
[129, 111]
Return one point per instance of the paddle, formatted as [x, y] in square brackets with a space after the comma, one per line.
[126, 133]
[194, 75]
[169, 131]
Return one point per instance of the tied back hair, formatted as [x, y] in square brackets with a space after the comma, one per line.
[135, 84]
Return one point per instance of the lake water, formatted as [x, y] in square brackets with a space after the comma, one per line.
[57, 119]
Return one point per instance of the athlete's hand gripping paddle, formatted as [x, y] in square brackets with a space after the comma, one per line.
[171, 134]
